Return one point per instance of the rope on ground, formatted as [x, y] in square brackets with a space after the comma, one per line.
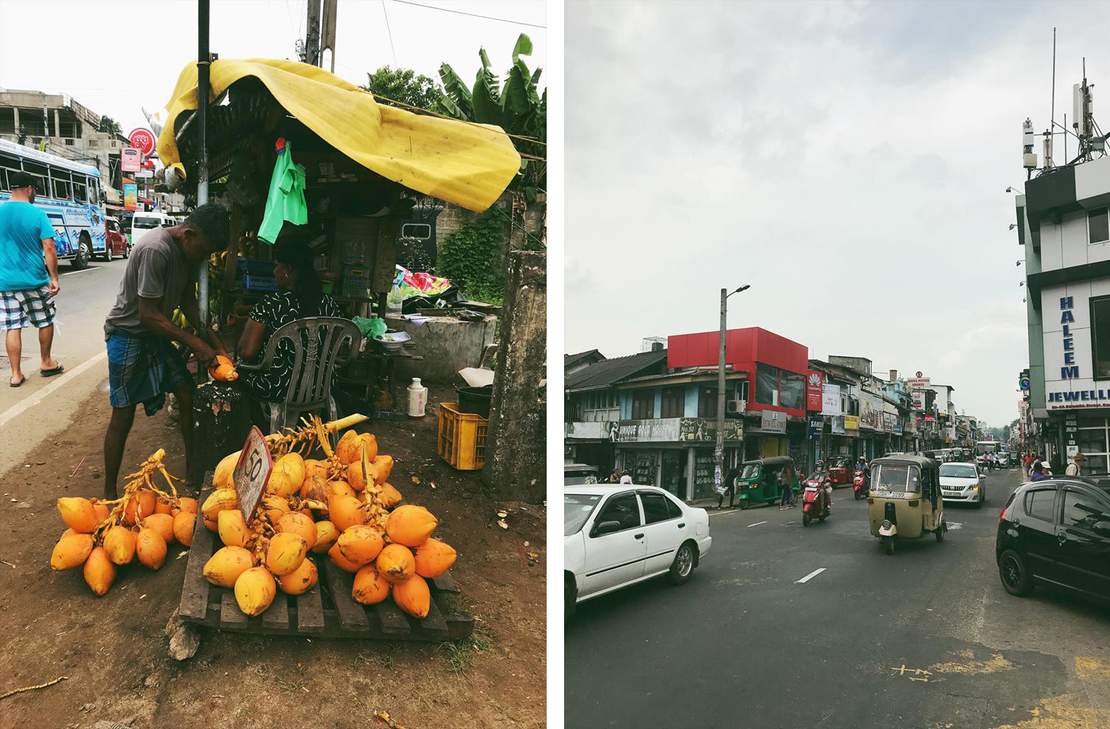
[13, 692]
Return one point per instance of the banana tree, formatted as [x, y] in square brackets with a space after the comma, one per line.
[516, 105]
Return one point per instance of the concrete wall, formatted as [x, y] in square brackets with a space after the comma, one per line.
[446, 344]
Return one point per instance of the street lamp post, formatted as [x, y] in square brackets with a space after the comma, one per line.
[719, 450]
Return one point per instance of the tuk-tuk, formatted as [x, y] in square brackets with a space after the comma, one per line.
[841, 472]
[759, 480]
[905, 500]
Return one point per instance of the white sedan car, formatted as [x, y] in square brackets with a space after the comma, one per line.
[616, 535]
[962, 482]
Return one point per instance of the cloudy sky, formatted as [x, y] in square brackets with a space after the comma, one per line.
[849, 161]
[127, 54]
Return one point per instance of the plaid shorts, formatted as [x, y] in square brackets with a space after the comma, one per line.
[30, 307]
[142, 370]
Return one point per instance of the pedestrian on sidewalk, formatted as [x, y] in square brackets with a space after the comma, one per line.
[143, 364]
[28, 277]
[1075, 468]
[787, 500]
[728, 486]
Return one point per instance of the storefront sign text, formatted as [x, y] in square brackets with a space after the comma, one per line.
[1070, 370]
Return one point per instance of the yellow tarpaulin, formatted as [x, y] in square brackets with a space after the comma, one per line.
[466, 164]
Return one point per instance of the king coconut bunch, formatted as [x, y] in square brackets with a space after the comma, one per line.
[102, 535]
[342, 506]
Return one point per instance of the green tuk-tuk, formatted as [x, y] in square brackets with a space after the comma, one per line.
[763, 480]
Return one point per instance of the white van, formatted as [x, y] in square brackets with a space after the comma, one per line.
[142, 222]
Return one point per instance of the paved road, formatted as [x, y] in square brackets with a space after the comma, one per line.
[924, 638]
[43, 406]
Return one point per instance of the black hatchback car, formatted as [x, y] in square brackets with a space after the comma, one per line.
[1057, 532]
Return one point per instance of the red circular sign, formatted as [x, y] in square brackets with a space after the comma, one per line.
[143, 140]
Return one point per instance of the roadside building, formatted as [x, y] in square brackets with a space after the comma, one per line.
[1064, 226]
[838, 416]
[58, 124]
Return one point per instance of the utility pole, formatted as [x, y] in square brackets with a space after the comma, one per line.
[204, 60]
[719, 450]
[312, 34]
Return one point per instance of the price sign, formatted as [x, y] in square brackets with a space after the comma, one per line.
[252, 472]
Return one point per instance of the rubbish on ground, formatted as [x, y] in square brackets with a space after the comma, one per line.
[13, 692]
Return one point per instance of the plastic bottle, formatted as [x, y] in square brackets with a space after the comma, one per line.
[418, 398]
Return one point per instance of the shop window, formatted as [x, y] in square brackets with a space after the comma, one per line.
[707, 401]
[1098, 227]
[674, 402]
[766, 384]
[793, 390]
[1100, 337]
[643, 404]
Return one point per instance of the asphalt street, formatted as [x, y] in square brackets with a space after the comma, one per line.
[45, 405]
[926, 637]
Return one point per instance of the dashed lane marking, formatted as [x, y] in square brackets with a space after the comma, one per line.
[756, 524]
[810, 576]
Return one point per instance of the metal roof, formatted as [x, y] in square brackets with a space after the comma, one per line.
[611, 371]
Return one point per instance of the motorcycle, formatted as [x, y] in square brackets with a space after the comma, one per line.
[815, 500]
[860, 486]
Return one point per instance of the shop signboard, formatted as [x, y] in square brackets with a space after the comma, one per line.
[836, 424]
[130, 159]
[815, 382]
[142, 140]
[870, 411]
[605, 430]
[816, 425]
[830, 400]
[672, 430]
[130, 194]
[918, 400]
[851, 422]
[1023, 381]
[772, 421]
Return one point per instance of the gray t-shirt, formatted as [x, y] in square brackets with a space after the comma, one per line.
[157, 268]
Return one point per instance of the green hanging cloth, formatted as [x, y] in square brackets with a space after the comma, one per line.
[285, 201]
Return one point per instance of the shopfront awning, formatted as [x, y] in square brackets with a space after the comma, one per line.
[467, 164]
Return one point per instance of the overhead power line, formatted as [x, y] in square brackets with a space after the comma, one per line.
[473, 15]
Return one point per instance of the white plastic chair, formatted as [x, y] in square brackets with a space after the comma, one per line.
[317, 349]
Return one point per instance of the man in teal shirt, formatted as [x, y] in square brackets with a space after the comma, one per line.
[28, 276]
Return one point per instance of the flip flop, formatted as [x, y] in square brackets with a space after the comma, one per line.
[16, 384]
[52, 371]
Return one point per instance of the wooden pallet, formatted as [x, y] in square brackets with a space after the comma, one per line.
[326, 611]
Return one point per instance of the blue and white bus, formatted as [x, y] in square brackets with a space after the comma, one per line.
[70, 195]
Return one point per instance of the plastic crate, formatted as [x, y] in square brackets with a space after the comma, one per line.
[461, 438]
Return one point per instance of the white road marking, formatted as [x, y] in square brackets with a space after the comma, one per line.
[723, 513]
[756, 524]
[810, 576]
[953, 525]
[83, 270]
[62, 380]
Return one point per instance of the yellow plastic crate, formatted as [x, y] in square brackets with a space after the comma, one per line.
[461, 437]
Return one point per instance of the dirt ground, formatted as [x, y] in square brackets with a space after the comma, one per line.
[113, 650]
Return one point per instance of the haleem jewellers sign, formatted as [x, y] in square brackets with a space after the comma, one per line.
[1081, 391]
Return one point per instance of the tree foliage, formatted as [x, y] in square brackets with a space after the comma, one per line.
[516, 105]
[471, 258]
[390, 85]
[108, 125]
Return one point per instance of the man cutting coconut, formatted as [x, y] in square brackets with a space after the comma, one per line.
[143, 365]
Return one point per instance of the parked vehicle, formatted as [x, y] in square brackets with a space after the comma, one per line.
[576, 473]
[117, 244]
[861, 484]
[1055, 532]
[905, 501]
[815, 502]
[759, 480]
[962, 482]
[68, 192]
[616, 535]
[142, 222]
